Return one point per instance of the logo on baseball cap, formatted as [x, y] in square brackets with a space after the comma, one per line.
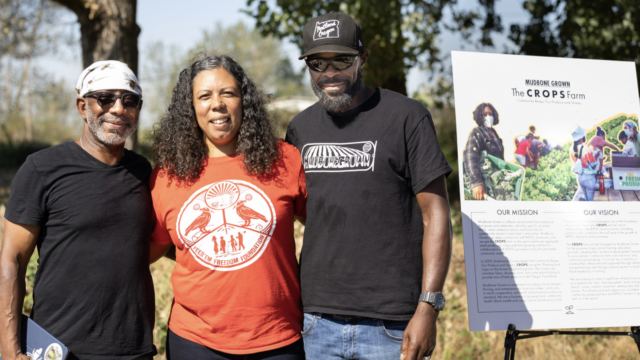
[333, 32]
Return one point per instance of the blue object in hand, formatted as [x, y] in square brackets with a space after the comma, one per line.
[38, 344]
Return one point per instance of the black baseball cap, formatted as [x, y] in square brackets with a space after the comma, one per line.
[333, 32]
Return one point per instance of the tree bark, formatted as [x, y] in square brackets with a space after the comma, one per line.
[108, 32]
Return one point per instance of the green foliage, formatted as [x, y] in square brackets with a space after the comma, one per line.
[27, 305]
[588, 29]
[499, 183]
[145, 144]
[281, 119]
[399, 34]
[553, 180]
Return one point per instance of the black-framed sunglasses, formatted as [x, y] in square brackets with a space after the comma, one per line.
[108, 99]
[338, 63]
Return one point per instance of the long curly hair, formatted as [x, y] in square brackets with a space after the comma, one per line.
[180, 149]
[479, 119]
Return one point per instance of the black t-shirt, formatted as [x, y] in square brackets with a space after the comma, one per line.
[93, 289]
[362, 252]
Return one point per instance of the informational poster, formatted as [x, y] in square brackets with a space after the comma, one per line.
[549, 243]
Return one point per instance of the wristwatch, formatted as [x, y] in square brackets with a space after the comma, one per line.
[435, 299]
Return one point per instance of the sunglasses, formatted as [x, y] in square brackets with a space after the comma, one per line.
[108, 99]
[338, 63]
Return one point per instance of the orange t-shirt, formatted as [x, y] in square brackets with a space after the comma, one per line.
[236, 282]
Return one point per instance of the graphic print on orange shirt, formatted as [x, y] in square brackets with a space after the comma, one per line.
[227, 225]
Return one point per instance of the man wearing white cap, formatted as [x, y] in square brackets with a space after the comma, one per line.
[86, 205]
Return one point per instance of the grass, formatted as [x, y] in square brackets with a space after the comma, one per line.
[161, 272]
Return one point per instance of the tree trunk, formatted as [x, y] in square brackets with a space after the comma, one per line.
[27, 99]
[108, 32]
[16, 103]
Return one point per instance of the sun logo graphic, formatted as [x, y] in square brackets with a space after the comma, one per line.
[227, 225]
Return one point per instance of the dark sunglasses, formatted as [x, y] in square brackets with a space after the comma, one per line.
[338, 63]
[108, 99]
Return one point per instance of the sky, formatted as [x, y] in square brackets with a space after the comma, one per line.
[162, 20]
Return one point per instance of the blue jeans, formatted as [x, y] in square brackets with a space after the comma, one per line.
[328, 337]
[588, 185]
[521, 159]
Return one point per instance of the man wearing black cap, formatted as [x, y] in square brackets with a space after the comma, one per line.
[377, 239]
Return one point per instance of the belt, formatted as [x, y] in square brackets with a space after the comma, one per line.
[349, 317]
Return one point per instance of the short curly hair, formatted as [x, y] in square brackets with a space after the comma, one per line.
[479, 119]
[180, 149]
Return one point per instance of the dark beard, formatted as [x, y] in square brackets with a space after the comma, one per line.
[336, 102]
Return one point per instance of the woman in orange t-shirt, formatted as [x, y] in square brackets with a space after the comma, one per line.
[226, 192]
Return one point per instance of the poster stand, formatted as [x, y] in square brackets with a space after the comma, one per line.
[514, 335]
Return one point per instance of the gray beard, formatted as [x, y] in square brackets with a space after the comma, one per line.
[336, 103]
[105, 136]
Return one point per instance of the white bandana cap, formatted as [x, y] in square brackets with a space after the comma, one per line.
[107, 75]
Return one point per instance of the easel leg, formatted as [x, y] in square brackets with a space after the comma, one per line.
[510, 343]
[635, 333]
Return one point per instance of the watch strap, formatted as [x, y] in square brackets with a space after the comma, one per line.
[430, 298]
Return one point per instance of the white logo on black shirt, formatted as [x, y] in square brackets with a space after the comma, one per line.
[327, 30]
[344, 157]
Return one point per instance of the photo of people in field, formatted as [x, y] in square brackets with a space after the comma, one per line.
[599, 163]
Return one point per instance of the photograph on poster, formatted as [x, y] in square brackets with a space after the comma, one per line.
[551, 181]
[542, 170]
[537, 166]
